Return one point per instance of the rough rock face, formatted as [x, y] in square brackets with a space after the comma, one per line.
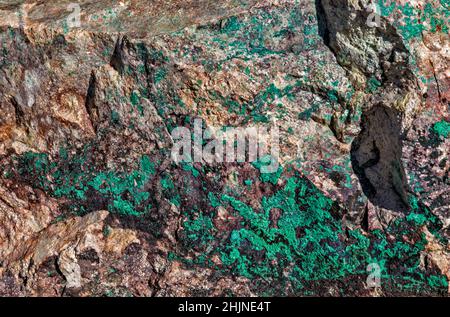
[92, 202]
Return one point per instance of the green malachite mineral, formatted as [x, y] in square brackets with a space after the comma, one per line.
[96, 95]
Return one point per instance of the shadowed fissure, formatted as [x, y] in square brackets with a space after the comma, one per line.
[376, 158]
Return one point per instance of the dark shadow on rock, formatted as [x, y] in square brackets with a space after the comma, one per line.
[376, 159]
[322, 23]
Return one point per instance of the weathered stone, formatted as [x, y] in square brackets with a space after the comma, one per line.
[93, 204]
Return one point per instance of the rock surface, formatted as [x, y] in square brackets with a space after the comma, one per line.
[93, 204]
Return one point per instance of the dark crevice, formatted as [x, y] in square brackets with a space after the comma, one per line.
[336, 128]
[324, 32]
[90, 101]
[376, 159]
[365, 220]
[18, 111]
[118, 59]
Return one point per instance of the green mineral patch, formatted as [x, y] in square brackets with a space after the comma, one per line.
[267, 177]
[289, 235]
[135, 100]
[307, 244]
[442, 128]
[72, 178]
[373, 84]
[198, 229]
[432, 17]
[286, 231]
[189, 167]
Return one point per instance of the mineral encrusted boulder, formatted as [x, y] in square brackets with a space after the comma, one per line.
[92, 202]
